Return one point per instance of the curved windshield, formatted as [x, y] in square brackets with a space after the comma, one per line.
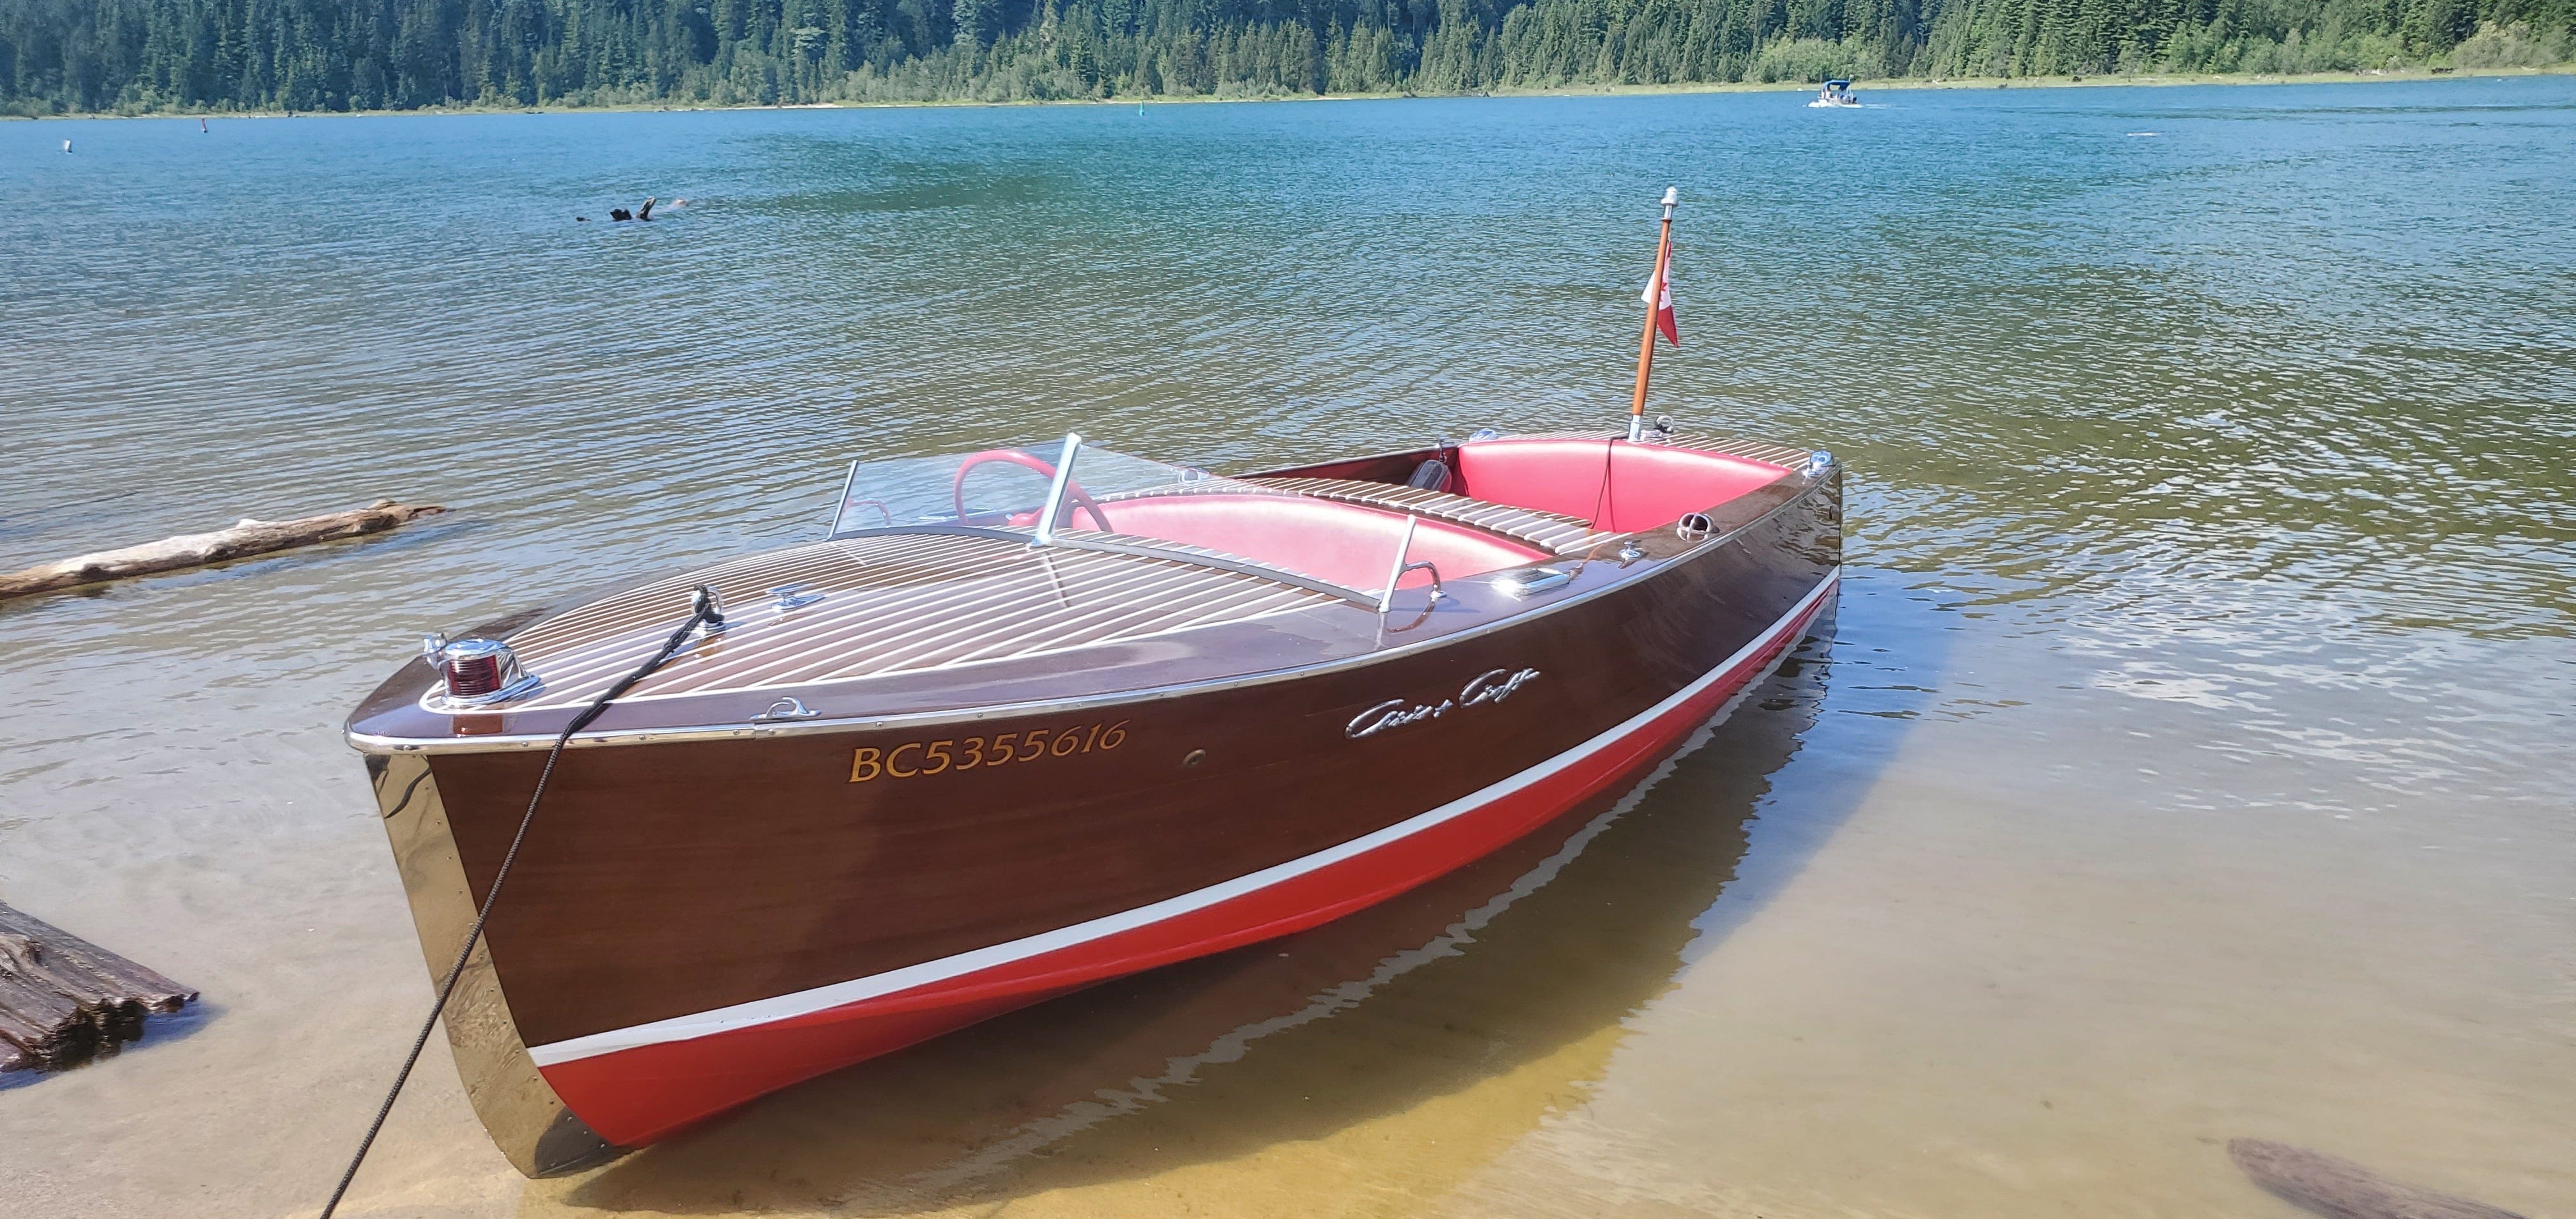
[1115, 501]
[993, 487]
[1007, 488]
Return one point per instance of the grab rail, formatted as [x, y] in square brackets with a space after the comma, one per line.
[1395, 574]
[1438, 590]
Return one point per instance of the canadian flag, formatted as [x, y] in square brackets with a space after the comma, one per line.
[1659, 293]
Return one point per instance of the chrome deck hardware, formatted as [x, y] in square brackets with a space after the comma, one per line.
[1437, 591]
[1818, 462]
[1396, 573]
[785, 709]
[473, 673]
[786, 597]
[1529, 582]
[1693, 526]
[703, 602]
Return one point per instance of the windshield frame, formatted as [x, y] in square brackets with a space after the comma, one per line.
[1045, 532]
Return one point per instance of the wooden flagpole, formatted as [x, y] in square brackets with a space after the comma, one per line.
[1654, 305]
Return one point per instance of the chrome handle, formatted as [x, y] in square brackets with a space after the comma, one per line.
[1437, 592]
[785, 709]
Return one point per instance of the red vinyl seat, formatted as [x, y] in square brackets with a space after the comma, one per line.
[1651, 485]
[1347, 544]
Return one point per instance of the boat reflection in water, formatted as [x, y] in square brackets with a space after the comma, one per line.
[1393, 1051]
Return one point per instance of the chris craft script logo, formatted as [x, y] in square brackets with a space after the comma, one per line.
[1492, 686]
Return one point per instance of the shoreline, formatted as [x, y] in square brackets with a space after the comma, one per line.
[1885, 85]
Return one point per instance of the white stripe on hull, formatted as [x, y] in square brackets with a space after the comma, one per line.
[822, 998]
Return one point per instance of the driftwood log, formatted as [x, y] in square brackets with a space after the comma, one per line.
[197, 549]
[2341, 1189]
[62, 999]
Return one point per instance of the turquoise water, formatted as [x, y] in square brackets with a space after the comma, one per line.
[2193, 753]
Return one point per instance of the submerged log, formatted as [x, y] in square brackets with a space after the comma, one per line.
[2341, 1189]
[63, 999]
[247, 538]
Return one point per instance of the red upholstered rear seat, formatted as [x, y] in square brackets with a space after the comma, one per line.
[1344, 543]
[1650, 485]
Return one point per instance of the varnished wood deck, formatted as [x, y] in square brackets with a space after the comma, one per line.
[890, 604]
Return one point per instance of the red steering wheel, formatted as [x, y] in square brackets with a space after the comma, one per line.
[1072, 489]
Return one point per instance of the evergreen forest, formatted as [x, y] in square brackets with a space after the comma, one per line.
[194, 56]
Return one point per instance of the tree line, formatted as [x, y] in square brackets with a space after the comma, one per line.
[137, 56]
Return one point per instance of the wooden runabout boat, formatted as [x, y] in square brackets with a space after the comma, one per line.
[948, 762]
[1028, 719]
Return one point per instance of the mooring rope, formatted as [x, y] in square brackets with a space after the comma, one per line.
[1600, 500]
[702, 609]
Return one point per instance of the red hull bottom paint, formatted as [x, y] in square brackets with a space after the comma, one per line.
[636, 1096]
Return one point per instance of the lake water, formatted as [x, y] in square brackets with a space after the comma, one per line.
[2192, 756]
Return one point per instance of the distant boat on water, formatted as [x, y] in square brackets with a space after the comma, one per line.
[1836, 95]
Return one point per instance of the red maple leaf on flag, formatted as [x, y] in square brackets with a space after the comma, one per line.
[1663, 303]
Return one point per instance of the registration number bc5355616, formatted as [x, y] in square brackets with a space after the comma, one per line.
[920, 759]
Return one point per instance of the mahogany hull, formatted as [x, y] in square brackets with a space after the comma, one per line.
[694, 924]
